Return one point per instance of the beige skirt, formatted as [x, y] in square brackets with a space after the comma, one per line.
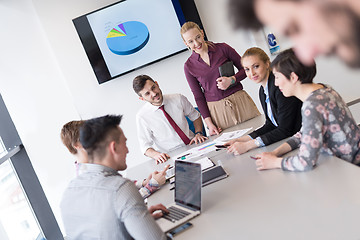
[233, 110]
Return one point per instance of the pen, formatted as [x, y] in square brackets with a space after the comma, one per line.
[220, 146]
[255, 158]
[183, 156]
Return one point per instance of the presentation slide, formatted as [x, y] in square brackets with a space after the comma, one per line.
[131, 34]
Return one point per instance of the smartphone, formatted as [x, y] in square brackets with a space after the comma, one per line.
[179, 229]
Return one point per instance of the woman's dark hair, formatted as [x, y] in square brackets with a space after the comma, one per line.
[287, 62]
[242, 14]
[139, 83]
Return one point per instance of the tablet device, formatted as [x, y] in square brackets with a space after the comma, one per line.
[213, 174]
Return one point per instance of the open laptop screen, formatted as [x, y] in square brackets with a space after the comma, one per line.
[188, 184]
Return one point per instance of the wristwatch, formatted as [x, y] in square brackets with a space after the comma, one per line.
[199, 133]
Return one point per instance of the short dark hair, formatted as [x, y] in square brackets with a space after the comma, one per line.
[242, 14]
[70, 135]
[139, 83]
[287, 62]
[97, 133]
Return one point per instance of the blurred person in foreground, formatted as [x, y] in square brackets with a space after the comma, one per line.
[316, 27]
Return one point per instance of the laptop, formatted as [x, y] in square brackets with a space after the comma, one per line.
[187, 203]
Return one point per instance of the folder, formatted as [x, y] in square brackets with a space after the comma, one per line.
[227, 69]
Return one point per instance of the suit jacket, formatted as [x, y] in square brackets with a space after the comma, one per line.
[286, 111]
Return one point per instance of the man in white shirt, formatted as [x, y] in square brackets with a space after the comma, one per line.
[156, 133]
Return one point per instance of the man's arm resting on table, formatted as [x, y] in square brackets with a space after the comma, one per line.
[199, 137]
[157, 156]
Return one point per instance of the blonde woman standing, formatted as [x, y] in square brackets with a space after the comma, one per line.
[221, 100]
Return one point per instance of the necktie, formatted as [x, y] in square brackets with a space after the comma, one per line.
[181, 134]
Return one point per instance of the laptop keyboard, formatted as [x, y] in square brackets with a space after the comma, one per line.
[175, 214]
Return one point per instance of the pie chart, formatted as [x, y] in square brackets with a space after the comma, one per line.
[127, 38]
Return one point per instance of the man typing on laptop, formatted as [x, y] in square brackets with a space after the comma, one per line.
[100, 203]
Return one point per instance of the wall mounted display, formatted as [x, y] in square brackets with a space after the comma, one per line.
[131, 34]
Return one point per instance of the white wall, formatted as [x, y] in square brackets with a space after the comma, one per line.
[36, 95]
[46, 79]
[92, 99]
[330, 70]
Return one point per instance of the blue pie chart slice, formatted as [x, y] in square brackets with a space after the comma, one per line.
[127, 38]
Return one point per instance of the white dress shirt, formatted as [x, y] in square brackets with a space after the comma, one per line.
[155, 131]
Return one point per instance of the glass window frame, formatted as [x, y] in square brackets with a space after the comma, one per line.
[26, 175]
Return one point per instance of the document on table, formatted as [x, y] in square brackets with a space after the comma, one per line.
[197, 151]
[231, 135]
[205, 163]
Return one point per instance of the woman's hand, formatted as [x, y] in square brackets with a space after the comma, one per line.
[238, 148]
[211, 126]
[231, 142]
[267, 160]
[224, 83]
[214, 129]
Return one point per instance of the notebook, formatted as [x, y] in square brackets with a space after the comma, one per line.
[227, 69]
[187, 203]
[213, 174]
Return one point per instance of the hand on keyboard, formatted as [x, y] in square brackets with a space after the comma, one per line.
[158, 214]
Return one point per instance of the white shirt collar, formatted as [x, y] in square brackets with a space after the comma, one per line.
[153, 107]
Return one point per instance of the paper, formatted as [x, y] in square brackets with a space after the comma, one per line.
[231, 135]
[205, 163]
[197, 151]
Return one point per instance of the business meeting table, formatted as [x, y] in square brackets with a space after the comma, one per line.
[320, 204]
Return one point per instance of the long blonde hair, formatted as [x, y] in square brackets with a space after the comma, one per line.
[187, 26]
[255, 51]
[190, 25]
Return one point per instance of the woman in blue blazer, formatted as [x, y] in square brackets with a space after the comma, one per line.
[283, 114]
